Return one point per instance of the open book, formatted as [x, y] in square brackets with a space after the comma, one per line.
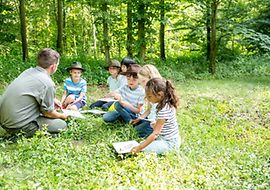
[94, 111]
[107, 99]
[146, 119]
[73, 113]
[124, 147]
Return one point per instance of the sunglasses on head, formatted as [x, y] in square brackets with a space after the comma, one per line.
[133, 75]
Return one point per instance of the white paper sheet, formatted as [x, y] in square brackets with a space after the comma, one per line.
[107, 99]
[73, 113]
[124, 147]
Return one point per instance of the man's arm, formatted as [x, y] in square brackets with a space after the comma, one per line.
[55, 115]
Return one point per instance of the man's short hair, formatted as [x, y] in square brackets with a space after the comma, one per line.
[47, 57]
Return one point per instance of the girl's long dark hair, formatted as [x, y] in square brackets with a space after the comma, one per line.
[156, 85]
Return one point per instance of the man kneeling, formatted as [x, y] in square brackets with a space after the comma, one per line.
[27, 104]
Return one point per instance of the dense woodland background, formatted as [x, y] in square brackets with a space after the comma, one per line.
[212, 30]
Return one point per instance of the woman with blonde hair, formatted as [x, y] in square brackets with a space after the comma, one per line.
[147, 119]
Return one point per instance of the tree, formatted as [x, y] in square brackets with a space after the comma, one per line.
[141, 31]
[23, 30]
[105, 15]
[60, 26]
[162, 31]
[213, 40]
[129, 29]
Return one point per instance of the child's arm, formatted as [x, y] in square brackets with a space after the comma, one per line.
[157, 129]
[147, 111]
[64, 97]
[114, 94]
[82, 94]
[131, 107]
[144, 115]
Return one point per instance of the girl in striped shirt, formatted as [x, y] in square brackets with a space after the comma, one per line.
[165, 136]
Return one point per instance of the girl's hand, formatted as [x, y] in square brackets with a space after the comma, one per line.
[135, 150]
[152, 124]
[134, 121]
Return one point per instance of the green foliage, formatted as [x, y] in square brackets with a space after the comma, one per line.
[182, 68]
[245, 66]
[224, 127]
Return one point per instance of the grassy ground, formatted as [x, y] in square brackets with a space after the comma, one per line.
[224, 127]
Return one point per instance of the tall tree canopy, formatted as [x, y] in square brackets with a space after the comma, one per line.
[142, 29]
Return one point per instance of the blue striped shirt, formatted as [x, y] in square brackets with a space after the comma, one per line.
[75, 88]
[170, 128]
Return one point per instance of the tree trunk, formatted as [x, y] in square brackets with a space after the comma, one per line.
[64, 40]
[129, 29]
[94, 36]
[162, 31]
[141, 32]
[23, 30]
[104, 8]
[208, 31]
[213, 46]
[60, 26]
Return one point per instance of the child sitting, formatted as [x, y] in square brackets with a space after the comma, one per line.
[130, 98]
[115, 81]
[143, 127]
[165, 136]
[125, 63]
[75, 88]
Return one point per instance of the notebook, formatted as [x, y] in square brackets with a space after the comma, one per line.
[124, 147]
[73, 113]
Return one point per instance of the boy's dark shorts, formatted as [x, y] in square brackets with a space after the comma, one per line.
[80, 104]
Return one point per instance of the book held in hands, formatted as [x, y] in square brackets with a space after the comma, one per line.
[124, 147]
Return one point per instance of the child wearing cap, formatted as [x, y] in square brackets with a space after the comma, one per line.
[75, 88]
[130, 98]
[115, 82]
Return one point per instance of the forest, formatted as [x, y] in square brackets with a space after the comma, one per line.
[216, 53]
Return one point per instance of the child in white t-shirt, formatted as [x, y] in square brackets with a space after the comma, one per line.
[115, 82]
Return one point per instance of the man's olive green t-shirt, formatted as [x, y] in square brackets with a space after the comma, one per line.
[29, 95]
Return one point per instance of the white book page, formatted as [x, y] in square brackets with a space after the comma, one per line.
[73, 113]
[107, 99]
[124, 147]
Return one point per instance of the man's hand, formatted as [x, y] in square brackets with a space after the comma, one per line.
[57, 104]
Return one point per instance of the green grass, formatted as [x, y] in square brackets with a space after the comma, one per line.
[224, 127]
